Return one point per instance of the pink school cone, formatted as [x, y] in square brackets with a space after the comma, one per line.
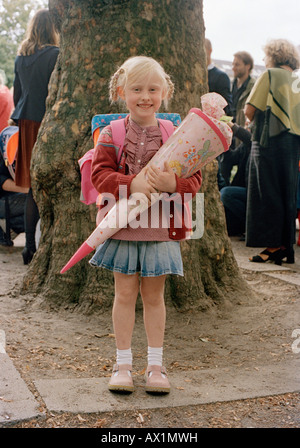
[82, 252]
[117, 218]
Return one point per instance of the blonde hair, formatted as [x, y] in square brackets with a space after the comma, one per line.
[135, 68]
[282, 52]
[40, 33]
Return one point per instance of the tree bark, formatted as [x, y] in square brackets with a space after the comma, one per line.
[96, 37]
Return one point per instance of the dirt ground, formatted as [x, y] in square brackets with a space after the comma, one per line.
[46, 344]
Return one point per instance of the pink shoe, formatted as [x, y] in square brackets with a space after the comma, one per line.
[157, 380]
[121, 379]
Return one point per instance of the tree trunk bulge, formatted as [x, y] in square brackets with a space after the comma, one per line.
[96, 37]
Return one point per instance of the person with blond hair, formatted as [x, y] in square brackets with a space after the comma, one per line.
[34, 64]
[273, 107]
[140, 257]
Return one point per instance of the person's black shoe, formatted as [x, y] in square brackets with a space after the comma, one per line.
[27, 255]
[6, 243]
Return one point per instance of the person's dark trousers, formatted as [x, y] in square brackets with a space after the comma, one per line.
[13, 204]
[234, 200]
[31, 219]
[225, 164]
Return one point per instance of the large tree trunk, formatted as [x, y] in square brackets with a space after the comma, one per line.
[96, 37]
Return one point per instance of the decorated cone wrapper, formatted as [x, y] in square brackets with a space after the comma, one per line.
[198, 140]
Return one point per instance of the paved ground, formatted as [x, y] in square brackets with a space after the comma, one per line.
[86, 395]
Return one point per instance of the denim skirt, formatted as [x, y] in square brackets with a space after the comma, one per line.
[149, 258]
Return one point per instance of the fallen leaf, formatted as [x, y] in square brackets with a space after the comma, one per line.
[140, 418]
[81, 419]
[100, 423]
[5, 400]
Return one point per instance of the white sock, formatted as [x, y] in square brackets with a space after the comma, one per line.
[155, 355]
[124, 356]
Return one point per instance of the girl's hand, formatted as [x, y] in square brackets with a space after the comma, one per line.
[163, 181]
[140, 184]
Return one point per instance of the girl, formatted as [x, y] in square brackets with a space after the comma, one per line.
[151, 252]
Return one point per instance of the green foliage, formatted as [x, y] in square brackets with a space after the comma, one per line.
[14, 17]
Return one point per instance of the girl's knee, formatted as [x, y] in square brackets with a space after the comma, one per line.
[126, 289]
[152, 291]
[126, 297]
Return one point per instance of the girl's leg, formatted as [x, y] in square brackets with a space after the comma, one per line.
[126, 291]
[123, 314]
[152, 292]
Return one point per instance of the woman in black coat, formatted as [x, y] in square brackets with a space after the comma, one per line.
[34, 64]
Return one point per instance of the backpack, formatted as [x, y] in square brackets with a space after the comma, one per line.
[9, 137]
[117, 121]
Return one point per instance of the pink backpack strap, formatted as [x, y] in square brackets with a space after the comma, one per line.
[167, 129]
[118, 135]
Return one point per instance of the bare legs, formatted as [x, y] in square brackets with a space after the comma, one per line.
[152, 292]
[123, 314]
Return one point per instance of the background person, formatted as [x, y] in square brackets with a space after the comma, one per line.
[273, 106]
[34, 64]
[242, 66]
[218, 80]
[12, 203]
[6, 104]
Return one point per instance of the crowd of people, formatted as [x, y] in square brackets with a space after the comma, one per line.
[260, 201]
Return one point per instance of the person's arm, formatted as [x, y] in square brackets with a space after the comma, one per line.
[17, 91]
[9, 185]
[249, 111]
[52, 61]
[240, 132]
[258, 96]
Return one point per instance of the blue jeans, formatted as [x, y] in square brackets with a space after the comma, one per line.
[234, 200]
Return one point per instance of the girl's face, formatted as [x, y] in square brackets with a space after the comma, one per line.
[143, 99]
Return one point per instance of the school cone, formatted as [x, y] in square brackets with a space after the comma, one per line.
[118, 217]
[82, 252]
[199, 139]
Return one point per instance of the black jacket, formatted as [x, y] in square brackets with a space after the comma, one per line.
[32, 75]
[219, 82]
